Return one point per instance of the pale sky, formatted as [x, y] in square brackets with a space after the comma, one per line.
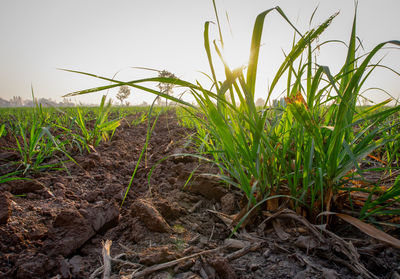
[103, 37]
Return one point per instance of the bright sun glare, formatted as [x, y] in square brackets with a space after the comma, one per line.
[235, 54]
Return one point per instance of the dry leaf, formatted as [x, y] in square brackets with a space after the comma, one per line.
[367, 229]
[298, 98]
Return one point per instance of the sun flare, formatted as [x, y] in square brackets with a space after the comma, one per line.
[235, 54]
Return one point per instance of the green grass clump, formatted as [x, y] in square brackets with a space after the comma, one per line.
[36, 144]
[90, 137]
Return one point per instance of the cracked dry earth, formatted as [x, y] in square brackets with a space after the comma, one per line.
[163, 230]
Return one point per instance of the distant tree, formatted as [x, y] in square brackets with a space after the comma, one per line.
[123, 93]
[165, 88]
[16, 101]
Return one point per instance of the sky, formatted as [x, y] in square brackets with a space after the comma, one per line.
[110, 38]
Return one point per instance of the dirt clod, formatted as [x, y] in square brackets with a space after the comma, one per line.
[223, 268]
[69, 232]
[5, 208]
[228, 203]
[210, 188]
[18, 187]
[149, 216]
[33, 266]
[170, 210]
[102, 218]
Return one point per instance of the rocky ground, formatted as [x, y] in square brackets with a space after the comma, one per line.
[57, 225]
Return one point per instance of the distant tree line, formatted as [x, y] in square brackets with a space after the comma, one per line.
[17, 101]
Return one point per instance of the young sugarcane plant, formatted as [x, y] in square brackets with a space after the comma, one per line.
[102, 130]
[335, 146]
[299, 151]
[36, 145]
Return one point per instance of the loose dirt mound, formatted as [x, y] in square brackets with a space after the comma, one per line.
[54, 225]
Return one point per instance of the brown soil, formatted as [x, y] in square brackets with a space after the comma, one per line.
[53, 226]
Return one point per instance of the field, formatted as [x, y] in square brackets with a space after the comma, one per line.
[302, 187]
[58, 218]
